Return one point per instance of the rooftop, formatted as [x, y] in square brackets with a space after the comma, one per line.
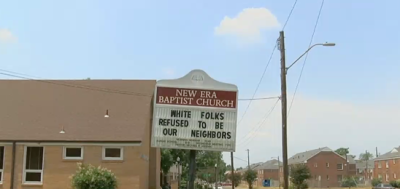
[39, 110]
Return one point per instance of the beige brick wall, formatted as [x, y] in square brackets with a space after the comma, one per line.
[132, 172]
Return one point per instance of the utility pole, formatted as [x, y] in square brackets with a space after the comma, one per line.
[376, 151]
[284, 110]
[232, 172]
[366, 167]
[248, 158]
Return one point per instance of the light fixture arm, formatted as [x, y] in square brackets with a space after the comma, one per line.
[317, 44]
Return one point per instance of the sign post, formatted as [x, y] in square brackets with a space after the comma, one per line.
[195, 112]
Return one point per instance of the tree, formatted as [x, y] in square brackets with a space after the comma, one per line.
[166, 162]
[376, 181]
[366, 156]
[298, 176]
[250, 176]
[236, 178]
[349, 182]
[90, 177]
[342, 151]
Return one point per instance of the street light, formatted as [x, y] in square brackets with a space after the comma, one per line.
[215, 167]
[301, 56]
[179, 172]
[284, 69]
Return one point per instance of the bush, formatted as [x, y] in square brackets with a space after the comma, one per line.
[395, 183]
[349, 182]
[250, 176]
[237, 177]
[376, 181]
[90, 177]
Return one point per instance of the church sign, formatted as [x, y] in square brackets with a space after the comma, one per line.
[195, 112]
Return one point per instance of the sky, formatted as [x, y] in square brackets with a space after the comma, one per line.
[348, 95]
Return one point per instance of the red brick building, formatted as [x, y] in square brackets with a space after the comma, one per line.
[387, 166]
[327, 167]
[268, 170]
[47, 127]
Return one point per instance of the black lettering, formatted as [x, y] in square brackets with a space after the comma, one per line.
[181, 113]
[202, 124]
[210, 134]
[219, 125]
[224, 135]
[213, 115]
[173, 122]
[170, 132]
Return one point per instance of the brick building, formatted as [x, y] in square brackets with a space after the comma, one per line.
[387, 166]
[327, 167]
[268, 170]
[47, 127]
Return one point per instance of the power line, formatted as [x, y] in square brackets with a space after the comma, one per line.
[305, 58]
[269, 61]
[248, 138]
[264, 98]
[290, 14]
[86, 87]
[240, 159]
[89, 87]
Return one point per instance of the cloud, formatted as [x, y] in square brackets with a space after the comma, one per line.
[315, 123]
[6, 36]
[248, 25]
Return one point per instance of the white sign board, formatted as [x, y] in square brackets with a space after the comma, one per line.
[195, 112]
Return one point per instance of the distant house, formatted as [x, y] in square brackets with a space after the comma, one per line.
[326, 166]
[268, 170]
[387, 166]
[365, 170]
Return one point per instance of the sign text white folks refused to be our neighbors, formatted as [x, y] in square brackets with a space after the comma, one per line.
[195, 112]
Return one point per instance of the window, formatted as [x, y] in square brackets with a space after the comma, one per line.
[379, 165]
[327, 164]
[379, 176]
[339, 166]
[1, 163]
[339, 178]
[387, 177]
[73, 153]
[327, 177]
[113, 153]
[387, 164]
[394, 161]
[315, 165]
[394, 176]
[33, 164]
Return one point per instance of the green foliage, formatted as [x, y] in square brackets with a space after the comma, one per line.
[250, 176]
[298, 176]
[205, 162]
[237, 177]
[349, 182]
[395, 183]
[366, 156]
[376, 181]
[90, 177]
[342, 151]
[166, 160]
